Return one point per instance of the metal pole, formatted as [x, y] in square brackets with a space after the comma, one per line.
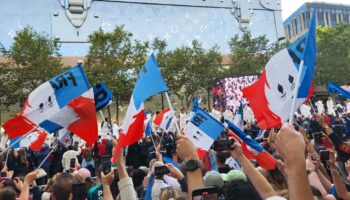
[171, 107]
[47, 156]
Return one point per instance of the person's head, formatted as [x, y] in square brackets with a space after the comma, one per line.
[22, 154]
[7, 193]
[276, 178]
[138, 176]
[221, 158]
[167, 193]
[213, 178]
[70, 147]
[240, 190]
[62, 187]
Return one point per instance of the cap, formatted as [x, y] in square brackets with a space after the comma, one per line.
[213, 178]
[234, 175]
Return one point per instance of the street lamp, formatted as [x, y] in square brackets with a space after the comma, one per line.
[270, 46]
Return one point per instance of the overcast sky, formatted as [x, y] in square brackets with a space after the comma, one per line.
[289, 6]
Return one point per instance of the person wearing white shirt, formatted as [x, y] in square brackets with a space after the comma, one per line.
[320, 107]
[330, 107]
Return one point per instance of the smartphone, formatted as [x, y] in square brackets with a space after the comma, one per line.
[324, 155]
[3, 174]
[79, 191]
[72, 163]
[161, 170]
[318, 138]
[223, 145]
[209, 193]
[106, 164]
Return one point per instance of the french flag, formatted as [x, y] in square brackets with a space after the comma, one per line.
[252, 149]
[271, 96]
[149, 83]
[46, 101]
[33, 140]
[202, 129]
[164, 118]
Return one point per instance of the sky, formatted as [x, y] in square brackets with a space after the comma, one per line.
[289, 6]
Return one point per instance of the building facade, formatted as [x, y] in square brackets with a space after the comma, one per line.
[327, 15]
[212, 22]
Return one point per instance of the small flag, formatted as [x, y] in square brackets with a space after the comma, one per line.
[33, 141]
[148, 125]
[164, 118]
[48, 99]
[149, 83]
[238, 120]
[271, 96]
[332, 87]
[202, 130]
[252, 149]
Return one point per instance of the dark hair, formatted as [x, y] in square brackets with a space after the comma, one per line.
[221, 157]
[62, 186]
[114, 186]
[70, 147]
[7, 193]
[138, 176]
[240, 190]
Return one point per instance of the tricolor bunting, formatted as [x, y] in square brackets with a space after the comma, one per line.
[149, 83]
[46, 100]
[164, 118]
[202, 130]
[252, 149]
[272, 95]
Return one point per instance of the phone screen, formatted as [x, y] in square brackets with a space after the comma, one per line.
[79, 191]
[161, 170]
[223, 145]
[106, 164]
[209, 193]
[324, 155]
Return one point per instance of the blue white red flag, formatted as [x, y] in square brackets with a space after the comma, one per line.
[202, 129]
[252, 149]
[149, 83]
[46, 100]
[332, 87]
[271, 96]
[164, 119]
[33, 140]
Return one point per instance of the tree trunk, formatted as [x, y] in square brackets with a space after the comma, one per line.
[117, 109]
[208, 90]
[109, 114]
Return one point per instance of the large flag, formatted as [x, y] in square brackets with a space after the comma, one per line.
[253, 150]
[202, 129]
[332, 87]
[78, 116]
[164, 118]
[271, 96]
[103, 96]
[46, 100]
[33, 140]
[149, 83]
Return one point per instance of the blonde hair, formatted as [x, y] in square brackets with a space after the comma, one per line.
[167, 193]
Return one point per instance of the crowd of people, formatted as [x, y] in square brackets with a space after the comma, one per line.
[313, 163]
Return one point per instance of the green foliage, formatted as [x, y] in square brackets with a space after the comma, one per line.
[115, 58]
[333, 54]
[33, 59]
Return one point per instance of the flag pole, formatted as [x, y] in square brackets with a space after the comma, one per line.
[171, 107]
[294, 100]
[42, 162]
[103, 118]
[17, 141]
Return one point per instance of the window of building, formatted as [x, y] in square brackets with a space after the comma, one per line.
[327, 19]
[333, 19]
[305, 21]
[297, 26]
[320, 18]
[346, 18]
[290, 32]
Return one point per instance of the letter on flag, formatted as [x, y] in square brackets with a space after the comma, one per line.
[46, 100]
[202, 130]
[103, 96]
[271, 96]
[149, 83]
[164, 118]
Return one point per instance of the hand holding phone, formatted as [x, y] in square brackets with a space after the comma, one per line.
[223, 145]
[72, 163]
[106, 164]
[324, 155]
[161, 170]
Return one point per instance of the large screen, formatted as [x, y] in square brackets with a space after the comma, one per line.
[227, 92]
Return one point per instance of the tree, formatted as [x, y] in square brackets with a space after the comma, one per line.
[248, 55]
[333, 54]
[115, 58]
[33, 59]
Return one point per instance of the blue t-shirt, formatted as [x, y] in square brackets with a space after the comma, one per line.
[96, 193]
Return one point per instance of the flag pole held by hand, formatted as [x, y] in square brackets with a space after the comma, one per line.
[295, 96]
[171, 107]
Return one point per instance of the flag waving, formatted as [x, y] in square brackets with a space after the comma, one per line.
[33, 140]
[272, 95]
[149, 83]
[202, 130]
[253, 150]
[332, 87]
[46, 100]
[164, 118]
